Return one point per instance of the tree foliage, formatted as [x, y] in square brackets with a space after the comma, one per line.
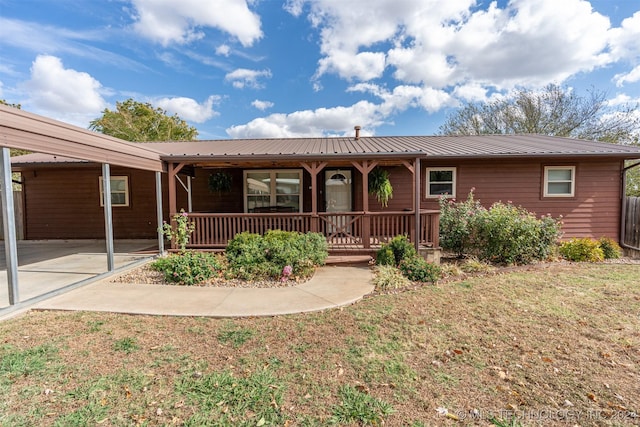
[553, 111]
[141, 122]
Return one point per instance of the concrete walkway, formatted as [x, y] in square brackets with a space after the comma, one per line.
[330, 287]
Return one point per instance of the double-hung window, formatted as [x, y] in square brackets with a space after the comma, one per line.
[559, 181]
[119, 191]
[276, 190]
[441, 182]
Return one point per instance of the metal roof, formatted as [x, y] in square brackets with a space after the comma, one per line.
[28, 131]
[431, 147]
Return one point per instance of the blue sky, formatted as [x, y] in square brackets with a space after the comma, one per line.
[267, 68]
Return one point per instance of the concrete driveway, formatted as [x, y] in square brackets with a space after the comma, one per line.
[46, 266]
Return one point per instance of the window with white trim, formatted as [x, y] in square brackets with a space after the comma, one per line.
[441, 182]
[559, 181]
[276, 190]
[119, 191]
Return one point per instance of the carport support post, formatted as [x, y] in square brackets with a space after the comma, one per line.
[159, 212]
[108, 219]
[9, 221]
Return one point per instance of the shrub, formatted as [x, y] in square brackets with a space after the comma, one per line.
[503, 234]
[507, 234]
[581, 250]
[474, 265]
[181, 233]
[188, 267]
[252, 256]
[385, 256]
[417, 269]
[389, 277]
[400, 247]
[610, 248]
[457, 223]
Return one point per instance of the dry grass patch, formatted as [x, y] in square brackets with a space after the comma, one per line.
[539, 344]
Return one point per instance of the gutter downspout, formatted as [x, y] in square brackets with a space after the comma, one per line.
[623, 210]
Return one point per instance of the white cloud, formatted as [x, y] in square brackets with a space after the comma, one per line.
[454, 43]
[63, 93]
[32, 37]
[625, 40]
[632, 76]
[243, 77]
[294, 7]
[223, 50]
[262, 105]
[341, 120]
[309, 123]
[189, 109]
[181, 21]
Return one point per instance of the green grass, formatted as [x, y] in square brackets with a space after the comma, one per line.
[222, 399]
[526, 339]
[126, 345]
[358, 407]
[234, 335]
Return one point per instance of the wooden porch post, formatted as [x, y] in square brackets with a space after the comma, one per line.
[364, 168]
[173, 170]
[415, 224]
[417, 194]
[314, 169]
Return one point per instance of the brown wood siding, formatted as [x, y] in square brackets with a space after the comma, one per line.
[65, 204]
[593, 212]
[205, 201]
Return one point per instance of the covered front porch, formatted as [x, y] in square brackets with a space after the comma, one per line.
[330, 197]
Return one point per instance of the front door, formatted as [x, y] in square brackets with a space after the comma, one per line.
[337, 190]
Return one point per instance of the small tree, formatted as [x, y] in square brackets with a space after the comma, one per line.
[138, 122]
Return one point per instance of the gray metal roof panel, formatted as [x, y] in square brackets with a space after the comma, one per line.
[392, 146]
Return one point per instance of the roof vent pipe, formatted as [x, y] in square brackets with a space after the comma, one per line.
[357, 129]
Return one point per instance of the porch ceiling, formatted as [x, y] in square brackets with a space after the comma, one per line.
[27, 131]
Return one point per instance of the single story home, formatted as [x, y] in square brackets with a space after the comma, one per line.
[321, 185]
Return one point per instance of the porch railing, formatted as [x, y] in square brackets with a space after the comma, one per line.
[343, 230]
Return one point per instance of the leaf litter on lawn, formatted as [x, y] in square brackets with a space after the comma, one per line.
[541, 346]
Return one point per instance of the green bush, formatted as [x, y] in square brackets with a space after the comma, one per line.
[417, 269]
[582, 250]
[252, 256]
[457, 224]
[188, 267]
[399, 247]
[389, 277]
[506, 234]
[610, 248]
[385, 256]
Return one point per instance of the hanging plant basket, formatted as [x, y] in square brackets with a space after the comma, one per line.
[220, 182]
[380, 186]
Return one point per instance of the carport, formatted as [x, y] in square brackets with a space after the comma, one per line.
[27, 131]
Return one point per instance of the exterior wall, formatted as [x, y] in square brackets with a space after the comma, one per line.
[64, 203]
[232, 202]
[593, 212]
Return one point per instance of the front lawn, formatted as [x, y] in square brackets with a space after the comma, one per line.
[553, 345]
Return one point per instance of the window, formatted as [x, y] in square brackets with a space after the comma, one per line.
[559, 181]
[441, 182]
[119, 191]
[273, 190]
